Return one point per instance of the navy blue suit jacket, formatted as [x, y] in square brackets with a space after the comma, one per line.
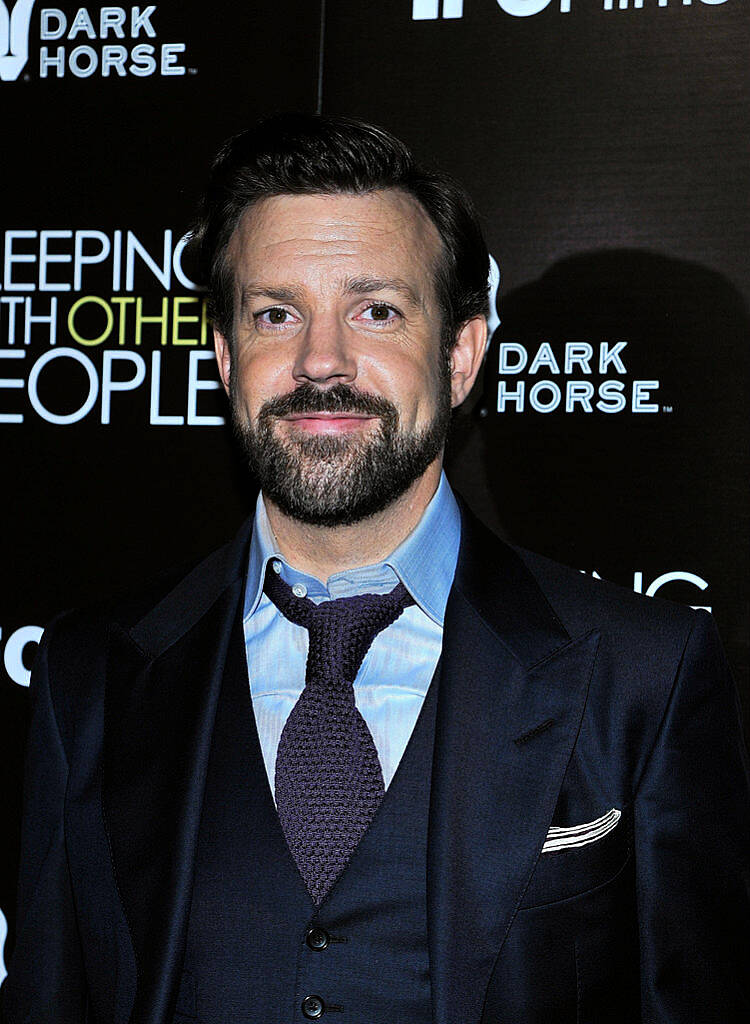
[561, 698]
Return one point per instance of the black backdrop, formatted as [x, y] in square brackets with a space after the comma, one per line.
[606, 145]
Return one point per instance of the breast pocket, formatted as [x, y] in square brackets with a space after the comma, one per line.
[579, 857]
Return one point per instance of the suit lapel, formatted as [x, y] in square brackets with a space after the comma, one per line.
[163, 682]
[508, 667]
[513, 691]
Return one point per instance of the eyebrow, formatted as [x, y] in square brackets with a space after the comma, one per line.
[351, 286]
[263, 291]
[365, 285]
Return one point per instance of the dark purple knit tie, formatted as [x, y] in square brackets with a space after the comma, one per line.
[328, 776]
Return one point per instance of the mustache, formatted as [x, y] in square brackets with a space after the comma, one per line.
[340, 398]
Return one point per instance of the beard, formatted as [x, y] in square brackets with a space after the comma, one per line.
[327, 480]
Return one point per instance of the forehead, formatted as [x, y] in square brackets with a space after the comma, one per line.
[383, 233]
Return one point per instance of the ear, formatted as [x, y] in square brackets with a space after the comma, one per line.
[466, 358]
[223, 357]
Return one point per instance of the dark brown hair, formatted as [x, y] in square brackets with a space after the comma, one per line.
[307, 154]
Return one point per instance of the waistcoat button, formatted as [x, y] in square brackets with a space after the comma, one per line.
[313, 1007]
[317, 938]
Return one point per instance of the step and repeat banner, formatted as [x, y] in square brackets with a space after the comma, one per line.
[606, 144]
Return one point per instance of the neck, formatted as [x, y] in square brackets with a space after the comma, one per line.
[322, 551]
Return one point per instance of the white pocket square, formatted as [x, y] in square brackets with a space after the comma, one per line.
[563, 837]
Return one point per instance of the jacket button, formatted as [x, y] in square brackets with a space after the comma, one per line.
[317, 938]
[313, 1007]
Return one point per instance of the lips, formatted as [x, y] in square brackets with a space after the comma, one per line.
[328, 422]
[338, 410]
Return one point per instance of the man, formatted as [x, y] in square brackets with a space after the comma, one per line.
[367, 761]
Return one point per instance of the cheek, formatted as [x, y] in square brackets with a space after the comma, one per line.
[437, 390]
[413, 386]
[260, 377]
[427, 379]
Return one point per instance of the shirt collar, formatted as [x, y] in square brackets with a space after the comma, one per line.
[425, 561]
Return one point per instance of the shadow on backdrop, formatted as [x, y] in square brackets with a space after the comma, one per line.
[622, 492]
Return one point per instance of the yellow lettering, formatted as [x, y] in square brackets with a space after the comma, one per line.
[140, 320]
[122, 301]
[182, 318]
[98, 301]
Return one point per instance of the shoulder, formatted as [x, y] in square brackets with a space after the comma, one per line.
[660, 666]
[74, 646]
[89, 623]
[642, 642]
[578, 602]
[582, 602]
[651, 654]
[185, 584]
[642, 639]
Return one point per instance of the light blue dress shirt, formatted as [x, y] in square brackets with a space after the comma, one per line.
[396, 672]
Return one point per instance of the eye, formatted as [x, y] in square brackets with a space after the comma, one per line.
[274, 317]
[379, 313]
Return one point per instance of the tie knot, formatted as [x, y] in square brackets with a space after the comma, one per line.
[341, 630]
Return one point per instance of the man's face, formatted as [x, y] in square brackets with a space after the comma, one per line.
[340, 387]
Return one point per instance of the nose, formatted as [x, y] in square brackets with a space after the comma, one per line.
[324, 354]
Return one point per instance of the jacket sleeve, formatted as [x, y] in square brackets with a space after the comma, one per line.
[45, 983]
[692, 848]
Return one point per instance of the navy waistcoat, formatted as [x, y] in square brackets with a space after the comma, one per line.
[257, 948]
